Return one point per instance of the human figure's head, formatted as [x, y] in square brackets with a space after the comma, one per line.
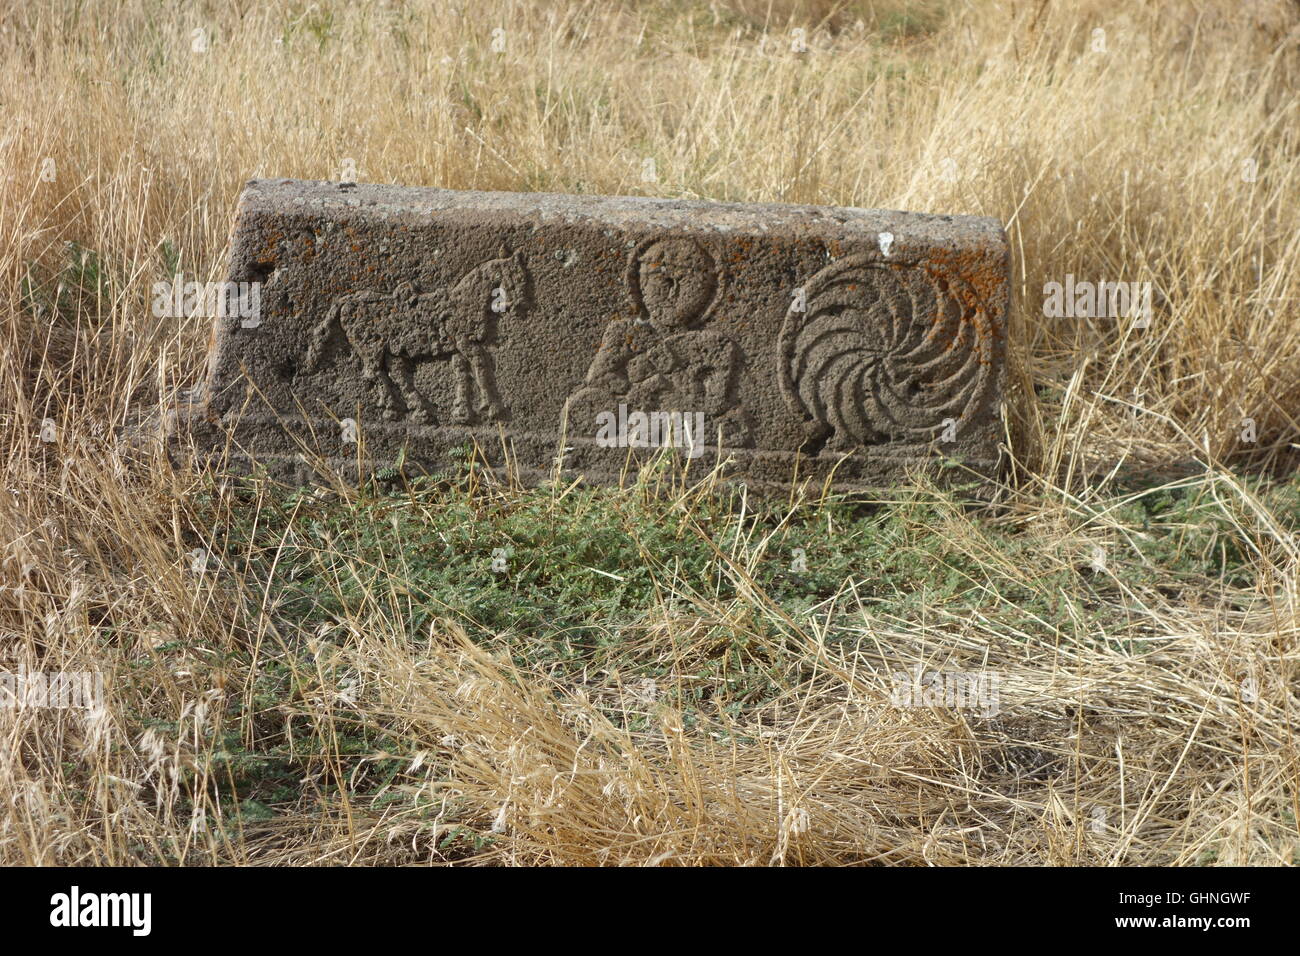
[674, 281]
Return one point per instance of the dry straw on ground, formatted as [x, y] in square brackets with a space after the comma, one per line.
[1163, 149]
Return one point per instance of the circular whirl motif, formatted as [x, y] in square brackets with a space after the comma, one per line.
[884, 352]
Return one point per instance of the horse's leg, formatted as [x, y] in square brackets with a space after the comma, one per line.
[489, 402]
[416, 407]
[370, 358]
[460, 410]
[394, 404]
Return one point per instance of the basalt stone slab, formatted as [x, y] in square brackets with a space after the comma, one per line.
[786, 342]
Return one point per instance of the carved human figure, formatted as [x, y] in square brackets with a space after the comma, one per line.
[661, 359]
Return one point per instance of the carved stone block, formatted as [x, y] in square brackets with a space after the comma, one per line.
[787, 341]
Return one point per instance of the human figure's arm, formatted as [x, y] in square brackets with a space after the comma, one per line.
[609, 365]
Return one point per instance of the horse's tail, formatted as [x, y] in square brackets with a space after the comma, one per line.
[320, 335]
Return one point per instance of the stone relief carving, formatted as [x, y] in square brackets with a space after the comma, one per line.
[391, 334]
[687, 300]
[883, 352]
[665, 359]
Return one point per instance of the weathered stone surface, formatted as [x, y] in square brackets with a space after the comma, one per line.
[834, 343]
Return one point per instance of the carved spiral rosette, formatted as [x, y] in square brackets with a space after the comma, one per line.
[884, 352]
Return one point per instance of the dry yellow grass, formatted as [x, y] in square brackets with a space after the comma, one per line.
[1164, 149]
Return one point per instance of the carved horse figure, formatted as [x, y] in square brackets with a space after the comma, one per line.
[391, 333]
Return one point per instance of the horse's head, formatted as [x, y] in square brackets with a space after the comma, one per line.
[491, 290]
